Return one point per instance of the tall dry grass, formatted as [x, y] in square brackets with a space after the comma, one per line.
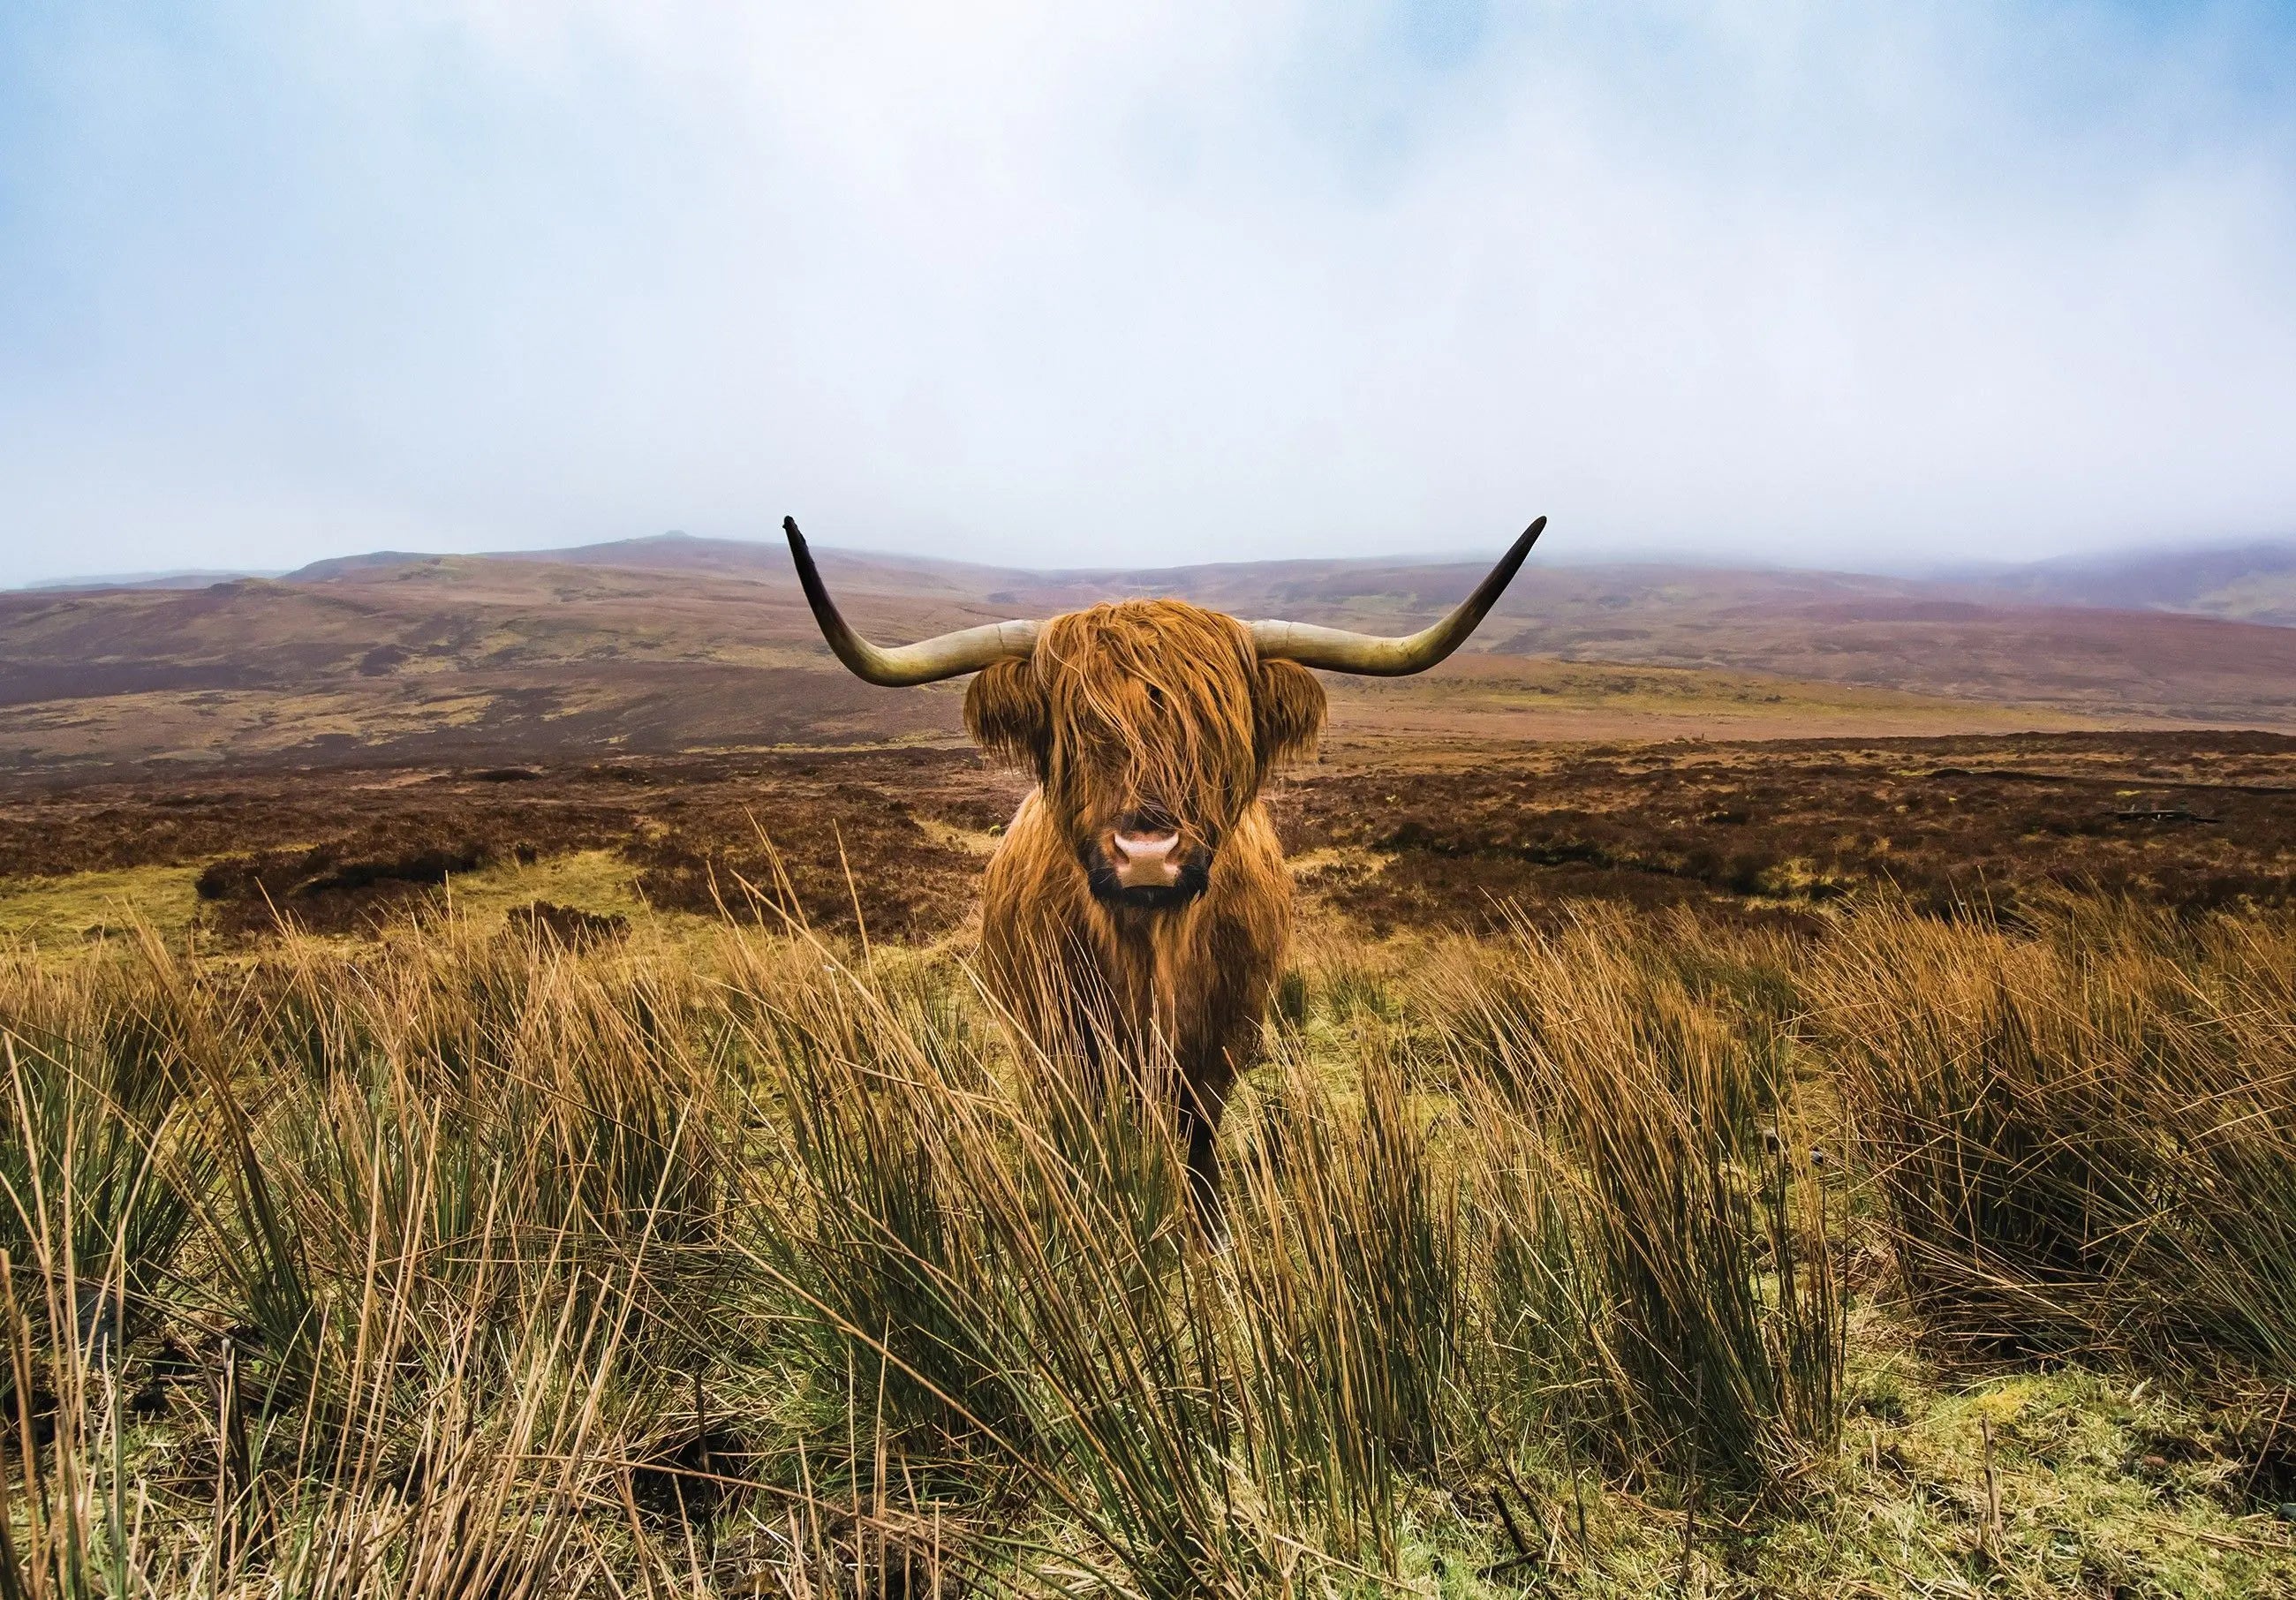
[2086, 1138]
[1674, 1251]
[463, 1264]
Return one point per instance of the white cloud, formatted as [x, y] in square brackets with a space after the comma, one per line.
[1085, 285]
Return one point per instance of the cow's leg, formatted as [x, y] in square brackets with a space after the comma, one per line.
[1200, 1137]
[1204, 1095]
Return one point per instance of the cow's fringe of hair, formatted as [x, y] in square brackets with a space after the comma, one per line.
[1160, 698]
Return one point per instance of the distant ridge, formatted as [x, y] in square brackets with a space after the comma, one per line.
[672, 551]
[339, 566]
[2249, 582]
[2243, 583]
[187, 578]
[678, 643]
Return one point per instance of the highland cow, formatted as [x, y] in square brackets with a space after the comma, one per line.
[1139, 900]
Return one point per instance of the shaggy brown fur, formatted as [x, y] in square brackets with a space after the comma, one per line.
[1156, 708]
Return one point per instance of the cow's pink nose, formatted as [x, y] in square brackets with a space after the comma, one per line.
[1145, 860]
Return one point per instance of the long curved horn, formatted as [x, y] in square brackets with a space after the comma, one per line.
[927, 661]
[1336, 650]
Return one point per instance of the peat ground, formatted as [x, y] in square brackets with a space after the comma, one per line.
[1387, 836]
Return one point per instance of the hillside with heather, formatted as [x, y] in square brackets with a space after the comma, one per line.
[654, 646]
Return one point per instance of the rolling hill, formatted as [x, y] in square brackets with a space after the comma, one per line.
[2243, 583]
[671, 643]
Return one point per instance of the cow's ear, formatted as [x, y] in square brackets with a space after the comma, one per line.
[1007, 714]
[1287, 711]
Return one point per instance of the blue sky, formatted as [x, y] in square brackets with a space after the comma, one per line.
[1857, 286]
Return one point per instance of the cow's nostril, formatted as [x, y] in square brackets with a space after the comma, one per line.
[1134, 845]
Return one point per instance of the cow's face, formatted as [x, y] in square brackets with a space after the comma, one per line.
[1151, 726]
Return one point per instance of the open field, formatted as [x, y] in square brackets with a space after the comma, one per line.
[1819, 1168]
